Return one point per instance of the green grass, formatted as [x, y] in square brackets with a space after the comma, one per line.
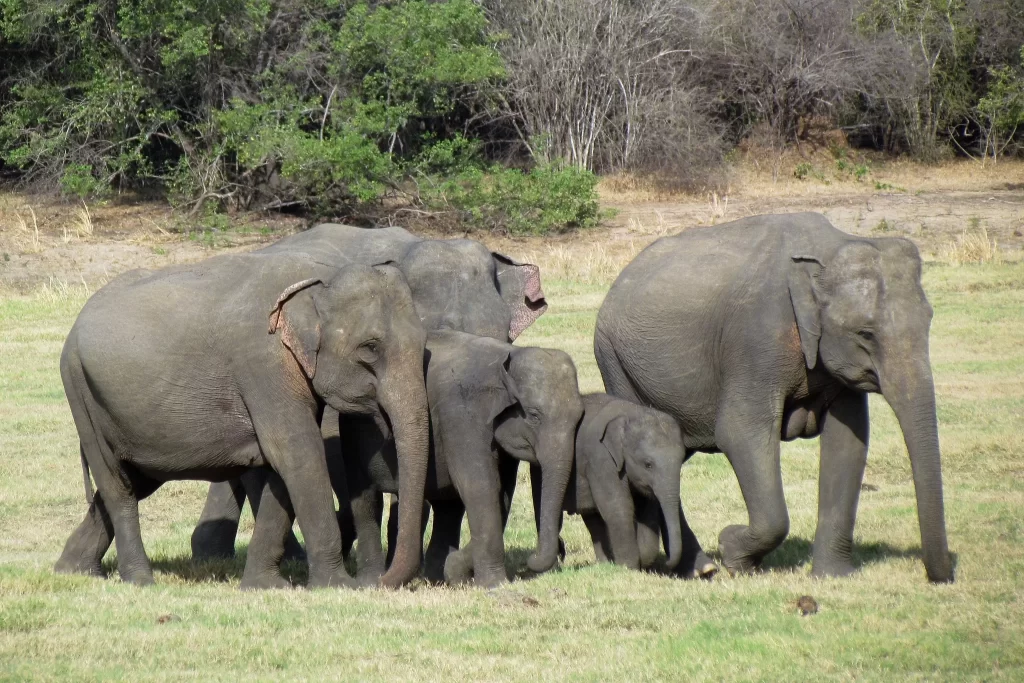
[583, 622]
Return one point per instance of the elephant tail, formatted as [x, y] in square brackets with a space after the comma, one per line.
[85, 476]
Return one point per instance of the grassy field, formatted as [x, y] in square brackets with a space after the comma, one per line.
[582, 622]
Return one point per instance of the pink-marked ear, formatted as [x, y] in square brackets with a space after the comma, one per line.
[295, 315]
[520, 288]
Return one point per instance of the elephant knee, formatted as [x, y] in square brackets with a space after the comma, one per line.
[772, 532]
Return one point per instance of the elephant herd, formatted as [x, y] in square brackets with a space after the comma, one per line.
[348, 362]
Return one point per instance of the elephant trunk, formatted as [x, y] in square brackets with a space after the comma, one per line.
[910, 392]
[556, 456]
[404, 399]
[668, 495]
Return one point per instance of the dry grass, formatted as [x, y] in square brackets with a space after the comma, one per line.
[972, 247]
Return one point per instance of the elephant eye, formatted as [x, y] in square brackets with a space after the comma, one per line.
[532, 417]
[866, 335]
[369, 351]
[649, 465]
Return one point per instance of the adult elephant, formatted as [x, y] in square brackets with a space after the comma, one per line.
[456, 284]
[772, 328]
[205, 371]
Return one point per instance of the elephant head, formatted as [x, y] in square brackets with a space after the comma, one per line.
[862, 314]
[536, 421]
[360, 345]
[460, 285]
[647, 446]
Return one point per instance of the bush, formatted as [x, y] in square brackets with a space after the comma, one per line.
[549, 198]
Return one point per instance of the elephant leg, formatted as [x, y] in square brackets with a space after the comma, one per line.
[393, 526]
[844, 451]
[122, 504]
[253, 482]
[291, 442]
[366, 506]
[330, 430]
[648, 529]
[214, 535]
[266, 550]
[444, 542]
[85, 548]
[599, 536]
[483, 502]
[751, 441]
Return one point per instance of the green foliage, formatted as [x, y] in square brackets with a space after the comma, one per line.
[803, 170]
[238, 103]
[1001, 110]
[548, 198]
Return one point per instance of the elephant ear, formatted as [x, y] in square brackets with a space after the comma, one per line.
[519, 286]
[613, 439]
[507, 394]
[294, 314]
[804, 272]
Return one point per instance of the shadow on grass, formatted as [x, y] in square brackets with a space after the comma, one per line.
[796, 552]
[225, 570]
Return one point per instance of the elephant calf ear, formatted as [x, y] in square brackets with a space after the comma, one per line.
[613, 439]
[803, 273]
[507, 394]
[519, 285]
[294, 314]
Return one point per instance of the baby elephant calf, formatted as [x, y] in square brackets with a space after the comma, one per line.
[626, 486]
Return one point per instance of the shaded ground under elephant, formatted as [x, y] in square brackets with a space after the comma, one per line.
[207, 370]
[456, 284]
[772, 328]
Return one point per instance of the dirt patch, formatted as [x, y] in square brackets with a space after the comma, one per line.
[929, 219]
[45, 240]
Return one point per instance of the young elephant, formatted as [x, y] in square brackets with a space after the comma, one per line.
[628, 460]
[207, 370]
[492, 405]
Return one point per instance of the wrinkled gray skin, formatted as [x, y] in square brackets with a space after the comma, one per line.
[456, 284]
[772, 328]
[492, 405]
[626, 481]
[208, 370]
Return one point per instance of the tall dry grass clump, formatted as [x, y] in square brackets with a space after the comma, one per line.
[972, 247]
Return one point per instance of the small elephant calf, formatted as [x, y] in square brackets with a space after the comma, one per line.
[626, 483]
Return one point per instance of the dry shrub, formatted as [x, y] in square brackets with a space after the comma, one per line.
[971, 247]
[592, 264]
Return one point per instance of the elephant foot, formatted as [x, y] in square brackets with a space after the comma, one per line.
[138, 577]
[336, 579]
[835, 568]
[490, 579]
[86, 566]
[702, 567]
[538, 564]
[214, 540]
[732, 544]
[458, 568]
[263, 581]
